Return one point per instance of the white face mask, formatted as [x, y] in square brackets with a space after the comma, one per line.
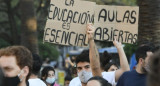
[84, 76]
[50, 80]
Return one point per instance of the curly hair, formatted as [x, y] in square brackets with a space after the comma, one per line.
[22, 54]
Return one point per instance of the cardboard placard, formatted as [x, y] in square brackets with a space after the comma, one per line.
[67, 20]
[119, 22]
[66, 23]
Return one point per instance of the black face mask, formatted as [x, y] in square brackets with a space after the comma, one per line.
[11, 81]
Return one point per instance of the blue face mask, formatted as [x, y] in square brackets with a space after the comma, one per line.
[50, 80]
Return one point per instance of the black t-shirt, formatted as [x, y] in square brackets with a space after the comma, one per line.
[132, 78]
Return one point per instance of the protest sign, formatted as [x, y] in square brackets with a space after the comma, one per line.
[67, 19]
[66, 23]
[119, 22]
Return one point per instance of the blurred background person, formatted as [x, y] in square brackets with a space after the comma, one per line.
[154, 70]
[98, 81]
[34, 80]
[67, 80]
[111, 67]
[48, 76]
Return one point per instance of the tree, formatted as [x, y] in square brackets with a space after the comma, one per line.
[144, 30]
[29, 26]
[11, 28]
[154, 16]
[149, 21]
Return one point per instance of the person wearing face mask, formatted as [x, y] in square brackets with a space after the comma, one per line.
[48, 76]
[83, 62]
[138, 77]
[88, 63]
[16, 61]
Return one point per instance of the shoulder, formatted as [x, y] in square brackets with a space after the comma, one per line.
[33, 82]
[127, 73]
[109, 76]
[75, 82]
[75, 79]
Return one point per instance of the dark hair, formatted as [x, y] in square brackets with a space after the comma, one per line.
[141, 52]
[109, 65]
[37, 63]
[83, 57]
[68, 77]
[22, 54]
[104, 59]
[101, 80]
[154, 73]
[1, 77]
[45, 72]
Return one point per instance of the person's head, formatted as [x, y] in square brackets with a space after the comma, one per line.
[111, 67]
[154, 73]
[37, 63]
[67, 80]
[104, 59]
[48, 75]
[98, 81]
[16, 61]
[1, 77]
[83, 62]
[143, 54]
[83, 66]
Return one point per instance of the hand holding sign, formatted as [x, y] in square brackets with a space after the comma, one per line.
[67, 19]
[90, 32]
[117, 44]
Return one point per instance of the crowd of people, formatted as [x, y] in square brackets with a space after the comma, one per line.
[20, 67]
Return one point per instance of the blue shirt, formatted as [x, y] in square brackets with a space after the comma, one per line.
[132, 78]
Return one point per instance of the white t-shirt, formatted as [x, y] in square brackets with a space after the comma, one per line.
[36, 82]
[109, 76]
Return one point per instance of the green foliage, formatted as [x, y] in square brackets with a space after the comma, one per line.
[130, 49]
[3, 43]
[48, 50]
[6, 38]
[115, 2]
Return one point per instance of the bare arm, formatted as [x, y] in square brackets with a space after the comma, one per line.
[124, 66]
[93, 53]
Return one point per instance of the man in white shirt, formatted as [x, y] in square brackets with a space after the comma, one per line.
[85, 60]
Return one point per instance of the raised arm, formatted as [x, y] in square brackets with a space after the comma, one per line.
[93, 52]
[124, 66]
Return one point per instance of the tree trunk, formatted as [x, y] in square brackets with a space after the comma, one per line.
[155, 21]
[144, 30]
[29, 26]
[12, 22]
